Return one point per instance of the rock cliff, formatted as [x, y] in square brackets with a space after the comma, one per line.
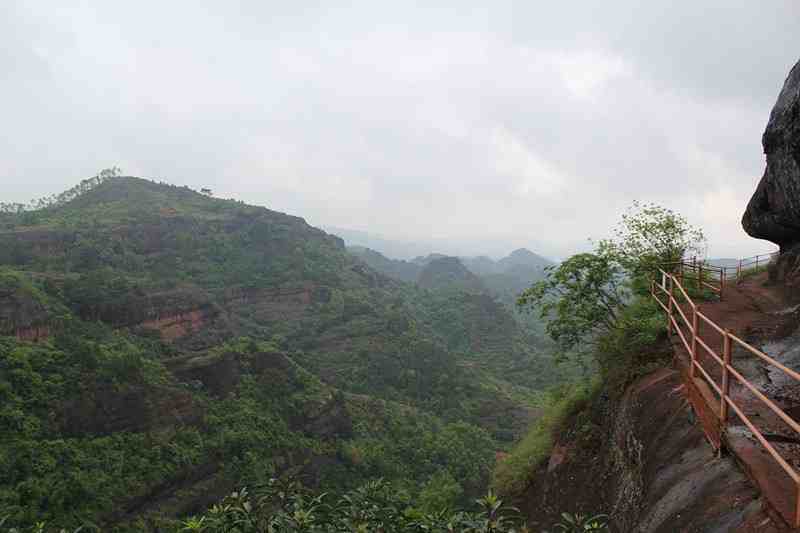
[657, 472]
[774, 210]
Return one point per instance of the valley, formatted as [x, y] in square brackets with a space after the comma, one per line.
[158, 342]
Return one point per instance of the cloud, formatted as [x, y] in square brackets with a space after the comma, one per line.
[510, 124]
[530, 174]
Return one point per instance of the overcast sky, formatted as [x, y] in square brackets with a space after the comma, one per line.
[499, 123]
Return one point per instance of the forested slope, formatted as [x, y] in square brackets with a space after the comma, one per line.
[159, 347]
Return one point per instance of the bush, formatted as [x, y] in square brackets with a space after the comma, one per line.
[639, 326]
[285, 505]
[514, 473]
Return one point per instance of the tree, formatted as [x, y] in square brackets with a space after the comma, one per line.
[580, 298]
[583, 297]
[650, 236]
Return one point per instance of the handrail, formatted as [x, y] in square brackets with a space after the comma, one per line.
[676, 317]
[715, 277]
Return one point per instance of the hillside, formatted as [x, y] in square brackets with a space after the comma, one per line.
[407, 271]
[161, 347]
[449, 273]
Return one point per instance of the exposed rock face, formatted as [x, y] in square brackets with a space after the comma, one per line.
[21, 314]
[657, 472]
[774, 210]
[105, 410]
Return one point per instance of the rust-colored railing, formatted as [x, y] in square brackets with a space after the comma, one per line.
[704, 275]
[749, 263]
[671, 295]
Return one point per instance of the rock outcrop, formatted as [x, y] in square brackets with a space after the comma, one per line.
[657, 472]
[774, 210]
[22, 311]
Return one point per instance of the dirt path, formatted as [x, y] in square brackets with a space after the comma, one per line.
[758, 314]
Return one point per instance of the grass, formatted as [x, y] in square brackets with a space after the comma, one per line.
[515, 472]
[750, 272]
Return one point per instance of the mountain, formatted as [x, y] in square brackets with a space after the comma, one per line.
[391, 248]
[160, 347]
[481, 265]
[425, 260]
[504, 279]
[449, 273]
[515, 273]
[523, 260]
[394, 268]
[408, 250]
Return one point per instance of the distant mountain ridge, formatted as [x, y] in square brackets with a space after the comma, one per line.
[409, 250]
[449, 273]
[504, 278]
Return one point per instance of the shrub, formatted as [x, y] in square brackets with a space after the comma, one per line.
[515, 472]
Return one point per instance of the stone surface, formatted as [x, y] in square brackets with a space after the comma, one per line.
[774, 210]
[649, 467]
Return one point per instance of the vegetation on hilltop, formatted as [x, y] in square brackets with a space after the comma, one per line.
[187, 345]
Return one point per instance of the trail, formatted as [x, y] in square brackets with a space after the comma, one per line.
[758, 313]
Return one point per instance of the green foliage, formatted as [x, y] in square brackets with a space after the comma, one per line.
[578, 523]
[420, 387]
[650, 236]
[515, 471]
[441, 492]
[753, 271]
[639, 326]
[411, 448]
[285, 505]
[584, 297]
[59, 199]
[580, 298]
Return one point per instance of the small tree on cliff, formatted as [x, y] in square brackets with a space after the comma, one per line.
[650, 236]
[583, 298]
[579, 299]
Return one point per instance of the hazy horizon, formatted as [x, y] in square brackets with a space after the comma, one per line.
[512, 125]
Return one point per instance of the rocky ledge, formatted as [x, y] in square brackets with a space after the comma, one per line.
[773, 212]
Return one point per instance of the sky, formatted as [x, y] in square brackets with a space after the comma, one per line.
[475, 126]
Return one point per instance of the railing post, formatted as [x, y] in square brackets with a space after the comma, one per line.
[726, 360]
[694, 339]
[756, 261]
[700, 277]
[721, 282]
[739, 271]
[669, 307]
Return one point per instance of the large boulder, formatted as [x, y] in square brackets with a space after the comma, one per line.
[774, 210]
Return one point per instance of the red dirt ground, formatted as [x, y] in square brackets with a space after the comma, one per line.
[757, 313]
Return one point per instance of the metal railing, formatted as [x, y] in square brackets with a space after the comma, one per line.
[704, 275]
[672, 296]
[753, 262]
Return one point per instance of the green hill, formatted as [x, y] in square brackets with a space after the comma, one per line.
[159, 347]
[450, 274]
